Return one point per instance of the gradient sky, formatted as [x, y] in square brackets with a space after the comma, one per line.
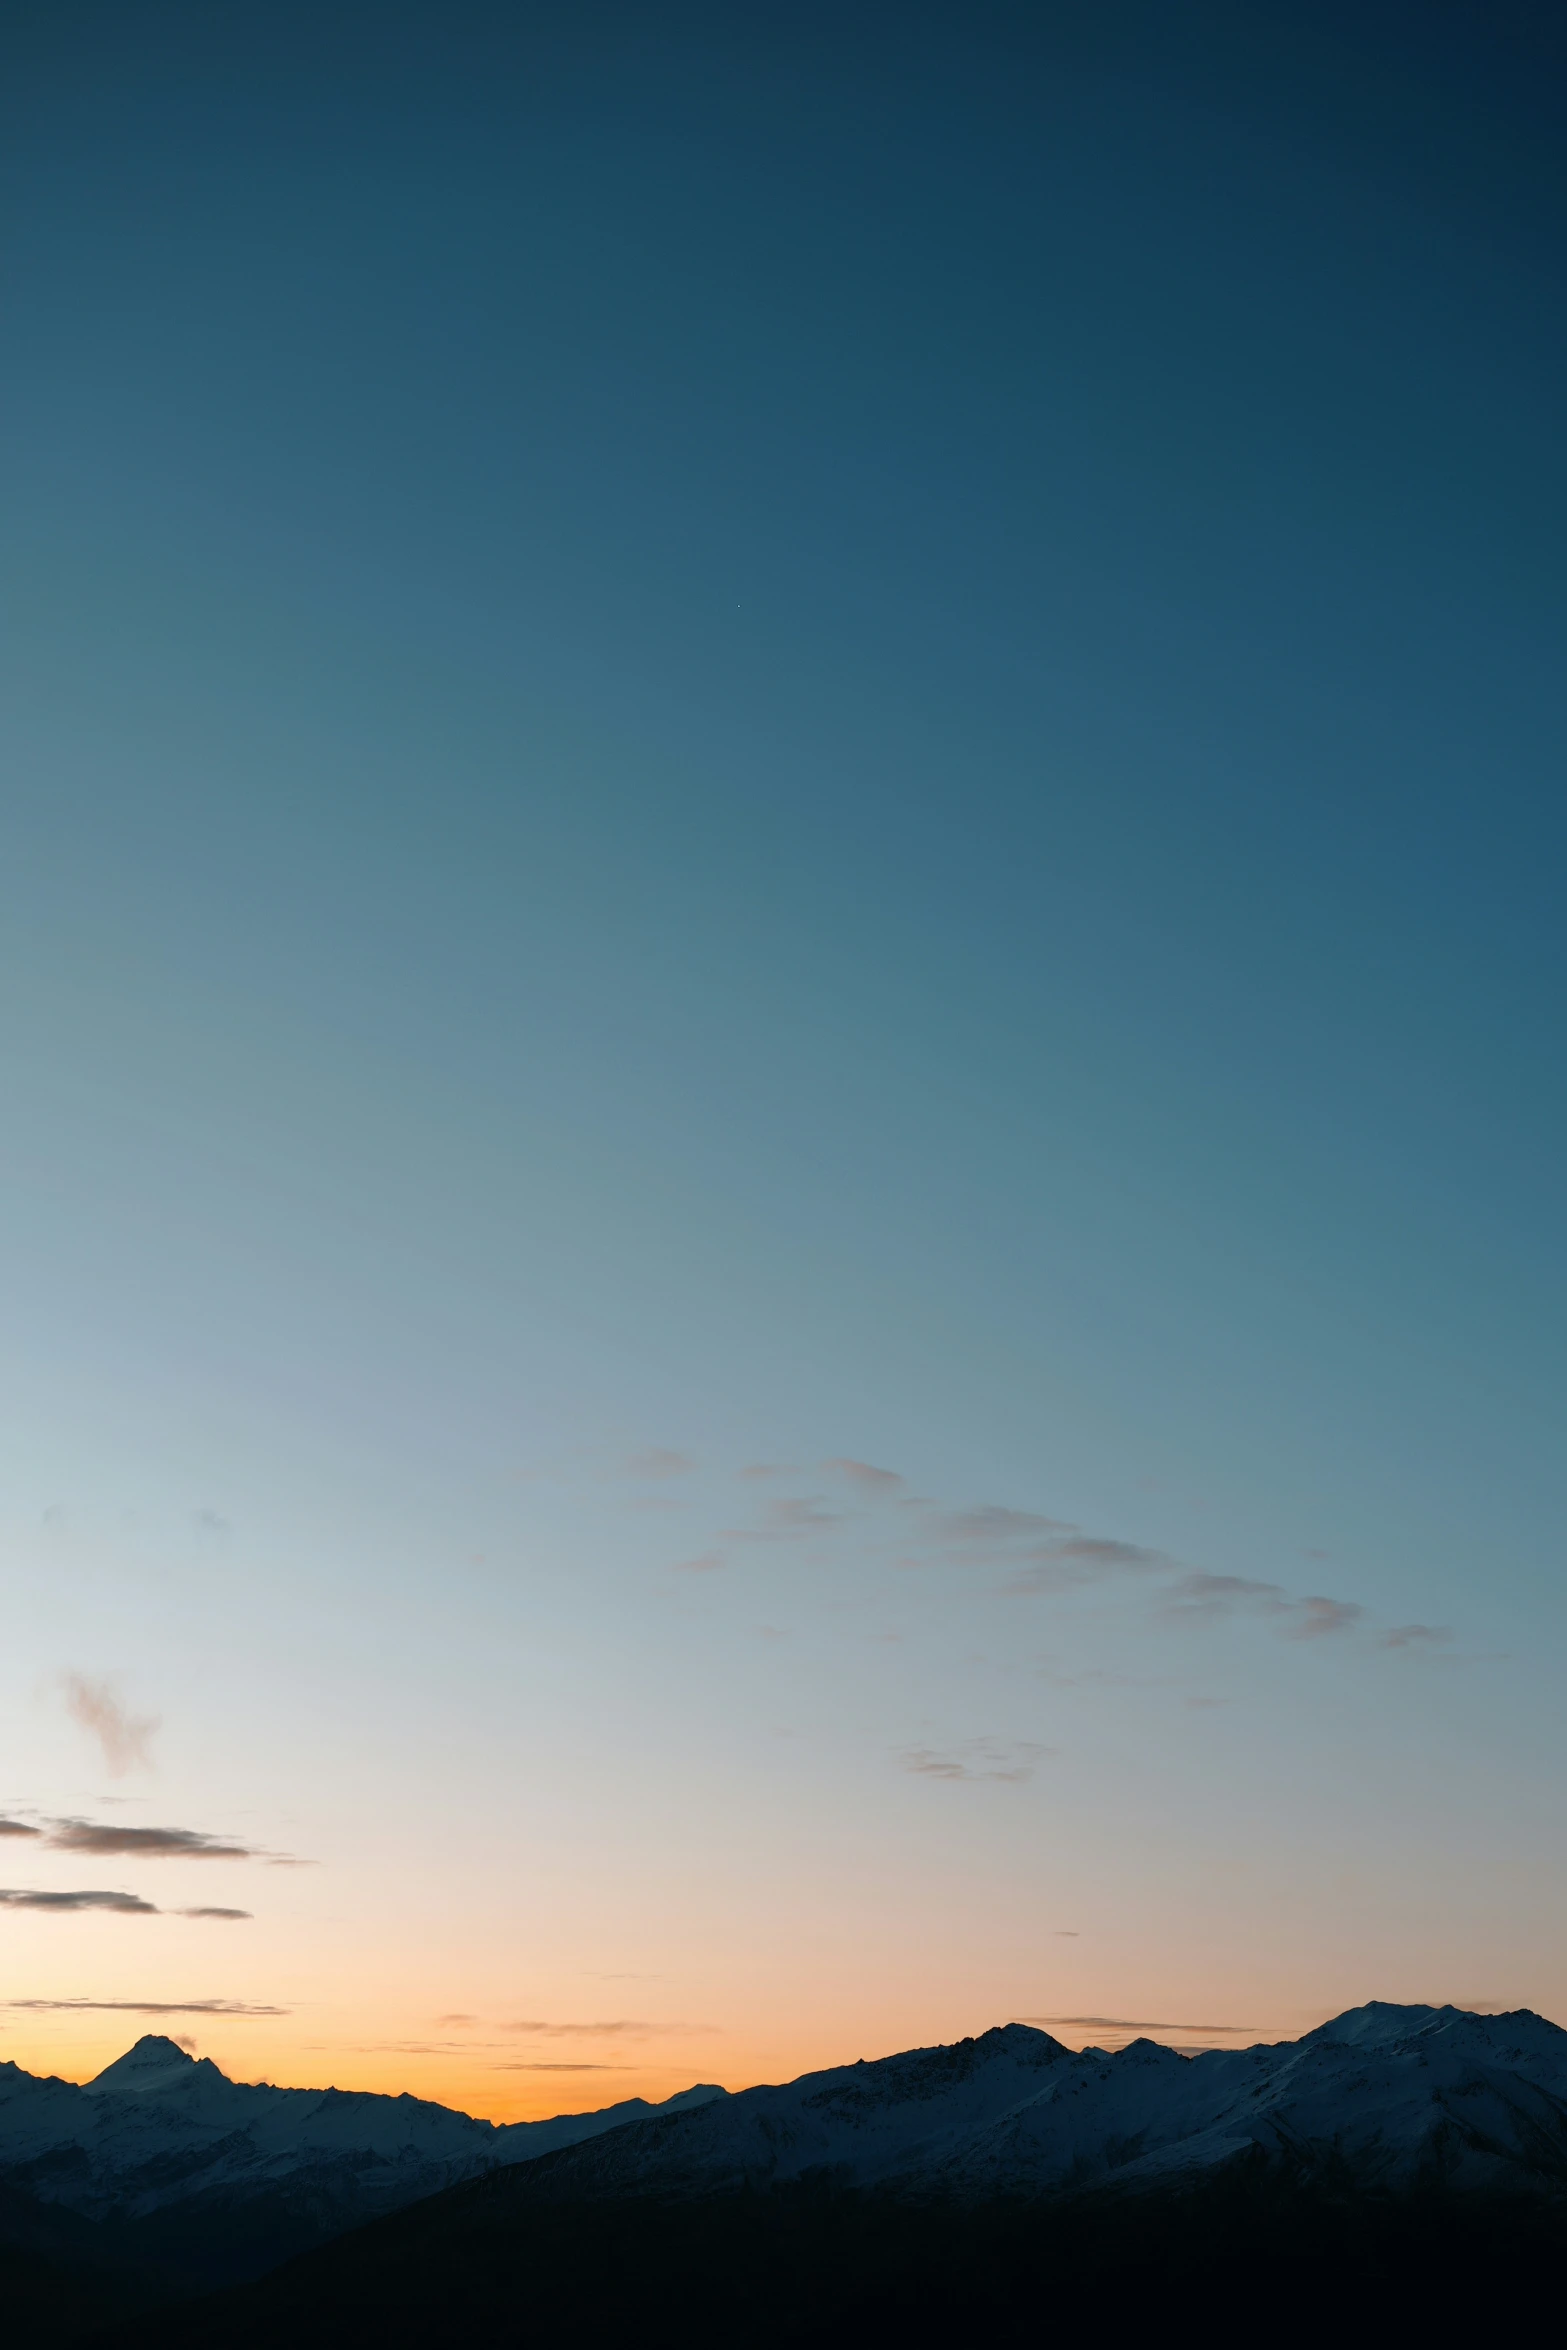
[781, 974]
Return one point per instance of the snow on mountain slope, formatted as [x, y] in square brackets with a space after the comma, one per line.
[1397, 2093]
[159, 2127]
[894, 2118]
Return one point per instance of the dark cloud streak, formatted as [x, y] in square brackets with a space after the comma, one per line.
[106, 1841]
[128, 1904]
[1008, 1761]
[123, 1904]
[144, 2007]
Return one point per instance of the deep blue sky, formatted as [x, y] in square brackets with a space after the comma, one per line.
[781, 735]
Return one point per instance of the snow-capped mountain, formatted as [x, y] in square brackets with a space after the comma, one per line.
[160, 2128]
[1396, 2094]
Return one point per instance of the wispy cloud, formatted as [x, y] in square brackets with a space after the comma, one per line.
[790, 1519]
[991, 1523]
[209, 1912]
[1099, 1677]
[1067, 1562]
[659, 1462]
[146, 2007]
[621, 2028]
[874, 1484]
[17, 1828]
[524, 2065]
[1045, 1556]
[1030, 1555]
[425, 2047]
[1099, 1551]
[1314, 1617]
[1011, 1760]
[804, 1514]
[125, 1738]
[1217, 1595]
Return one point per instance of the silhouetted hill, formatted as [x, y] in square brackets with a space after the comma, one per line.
[44, 2301]
[1255, 2256]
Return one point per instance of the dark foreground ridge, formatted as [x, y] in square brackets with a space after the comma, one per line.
[1257, 2256]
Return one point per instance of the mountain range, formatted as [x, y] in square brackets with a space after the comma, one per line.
[1397, 2094]
[159, 2128]
[164, 2166]
[948, 2178]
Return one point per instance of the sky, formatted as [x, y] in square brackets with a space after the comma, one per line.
[781, 971]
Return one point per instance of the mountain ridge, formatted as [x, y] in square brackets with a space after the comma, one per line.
[1398, 2093]
[1012, 2106]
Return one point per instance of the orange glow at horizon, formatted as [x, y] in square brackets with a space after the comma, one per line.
[485, 2078]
